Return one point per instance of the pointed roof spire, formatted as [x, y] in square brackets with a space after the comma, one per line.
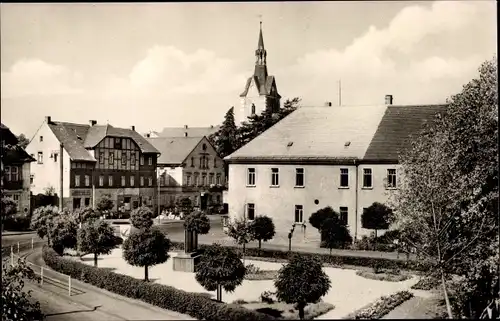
[261, 39]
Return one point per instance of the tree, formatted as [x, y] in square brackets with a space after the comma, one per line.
[317, 218]
[197, 222]
[105, 204]
[224, 140]
[85, 214]
[241, 231]
[63, 232]
[301, 281]
[185, 205]
[96, 237]
[41, 221]
[334, 234]
[22, 141]
[448, 196]
[145, 248]
[220, 268]
[16, 303]
[376, 217]
[9, 207]
[141, 217]
[262, 229]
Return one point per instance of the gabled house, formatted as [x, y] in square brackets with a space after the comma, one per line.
[82, 162]
[189, 167]
[343, 157]
[15, 166]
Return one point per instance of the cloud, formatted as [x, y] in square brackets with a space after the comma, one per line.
[166, 70]
[382, 60]
[32, 77]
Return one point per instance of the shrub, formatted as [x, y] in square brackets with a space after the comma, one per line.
[141, 217]
[367, 244]
[195, 305]
[268, 297]
[331, 260]
[383, 276]
[427, 283]
[17, 223]
[63, 233]
[334, 234]
[252, 269]
[197, 222]
[97, 237]
[262, 229]
[381, 307]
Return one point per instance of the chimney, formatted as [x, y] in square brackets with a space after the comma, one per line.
[148, 135]
[48, 119]
[92, 122]
[132, 127]
[388, 99]
[185, 126]
[328, 104]
[185, 134]
[211, 126]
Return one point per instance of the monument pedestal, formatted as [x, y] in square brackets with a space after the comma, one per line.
[186, 262]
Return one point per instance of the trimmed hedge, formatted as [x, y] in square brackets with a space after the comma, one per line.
[381, 307]
[193, 304]
[333, 260]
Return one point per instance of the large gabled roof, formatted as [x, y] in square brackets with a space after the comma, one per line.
[77, 139]
[174, 150]
[374, 133]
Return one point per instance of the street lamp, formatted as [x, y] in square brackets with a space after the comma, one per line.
[290, 234]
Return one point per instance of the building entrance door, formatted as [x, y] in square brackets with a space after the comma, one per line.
[203, 201]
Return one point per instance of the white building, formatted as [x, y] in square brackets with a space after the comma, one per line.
[343, 157]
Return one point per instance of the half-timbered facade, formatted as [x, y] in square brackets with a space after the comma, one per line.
[97, 160]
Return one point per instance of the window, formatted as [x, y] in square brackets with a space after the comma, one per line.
[218, 198]
[202, 165]
[391, 178]
[275, 181]
[211, 179]
[132, 159]
[299, 177]
[150, 181]
[204, 180]
[101, 180]
[207, 162]
[343, 215]
[87, 201]
[111, 158]
[123, 181]
[32, 178]
[141, 180]
[87, 180]
[253, 109]
[344, 177]
[132, 180]
[196, 179]
[250, 211]
[40, 157]
[192, 161]
[55, 157]
[124, 158]
[188, 180]
[101, 158]
[41, 139]
[367, 177]
[110, 180]
[142, 160]
[77, 180]
[150, 160]
[14, 173]
[118, 143]
[215, 162]
[217, 179]
[251, 177]
[299, 214]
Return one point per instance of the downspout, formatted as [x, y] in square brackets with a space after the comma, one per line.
[357, 203]
[61, 171]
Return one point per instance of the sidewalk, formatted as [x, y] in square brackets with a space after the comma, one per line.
[119, 307]
[424, 305]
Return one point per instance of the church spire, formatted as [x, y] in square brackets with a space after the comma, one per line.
[260, 53]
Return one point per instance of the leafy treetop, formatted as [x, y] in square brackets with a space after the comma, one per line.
[141, 217]
[197, 222]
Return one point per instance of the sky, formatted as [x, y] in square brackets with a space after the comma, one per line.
[157, 65]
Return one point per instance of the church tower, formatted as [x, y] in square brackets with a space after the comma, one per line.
[260, 90]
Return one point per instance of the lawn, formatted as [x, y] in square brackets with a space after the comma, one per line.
[347, 293]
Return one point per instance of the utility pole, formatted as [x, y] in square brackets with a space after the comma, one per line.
[340, 92]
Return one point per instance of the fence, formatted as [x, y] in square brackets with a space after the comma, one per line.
[46, 275]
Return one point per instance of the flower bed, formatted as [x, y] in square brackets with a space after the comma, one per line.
[384, 276]
[381, 307]
[331, 260]
[196, 305]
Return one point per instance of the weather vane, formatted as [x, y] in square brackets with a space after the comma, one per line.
[260, 18]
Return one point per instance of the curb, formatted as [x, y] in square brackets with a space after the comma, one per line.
[4, 233]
